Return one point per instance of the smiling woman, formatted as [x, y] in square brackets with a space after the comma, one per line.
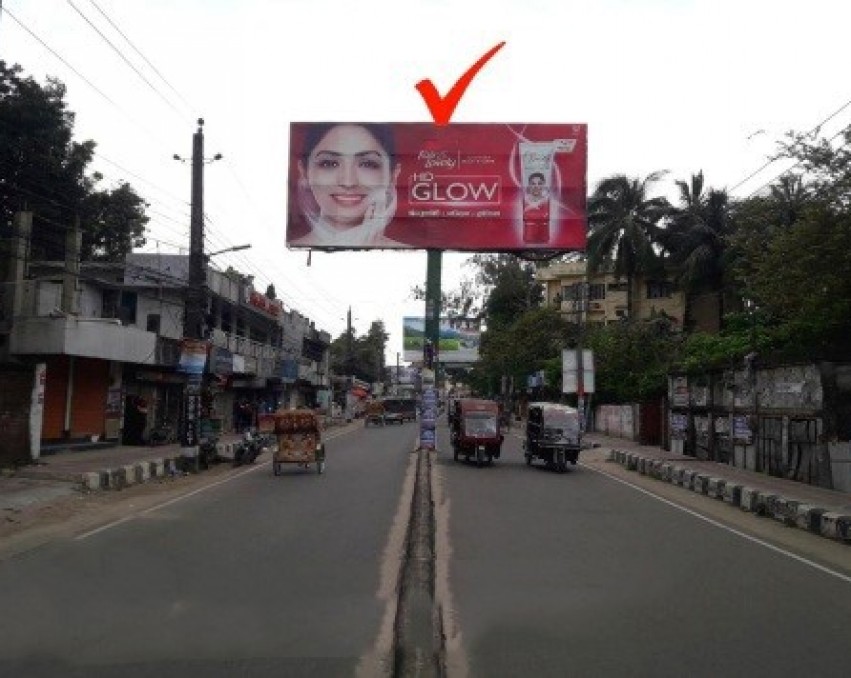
[346, 185]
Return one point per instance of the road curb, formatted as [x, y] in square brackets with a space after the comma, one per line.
[787, 510]
[127, 475]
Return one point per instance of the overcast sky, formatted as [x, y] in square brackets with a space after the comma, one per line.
[664, 84]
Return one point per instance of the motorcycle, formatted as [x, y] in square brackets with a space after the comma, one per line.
[249, 448]
[208, 451]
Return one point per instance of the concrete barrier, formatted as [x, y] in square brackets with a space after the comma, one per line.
[715, 488]
[700, 483]
[92, 481]
[732, 494]
[836, 526]
[809, 518]
[749, 499]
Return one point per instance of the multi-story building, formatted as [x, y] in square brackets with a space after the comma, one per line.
[606, 297]
[101, 343]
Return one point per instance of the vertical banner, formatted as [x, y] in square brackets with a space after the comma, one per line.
[428, 419]
[189, 432]
[570, 368]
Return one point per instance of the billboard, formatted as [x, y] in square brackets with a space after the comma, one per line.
[465, 187]
[459, 339]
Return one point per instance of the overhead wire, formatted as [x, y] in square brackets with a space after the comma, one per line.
[128, 62]
[788, 170]
[242, 258]
[815, 130]
[139, 52]
[36, 37]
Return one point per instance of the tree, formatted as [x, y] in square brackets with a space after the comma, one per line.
[696, 240]
[43, 170]
[632, 360]
[624, 228]
[509, 285]
[270, 291]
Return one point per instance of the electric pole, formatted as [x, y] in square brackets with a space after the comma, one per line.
[195, 311]
[193, 318]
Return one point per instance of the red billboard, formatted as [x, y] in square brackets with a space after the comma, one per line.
[474, 187]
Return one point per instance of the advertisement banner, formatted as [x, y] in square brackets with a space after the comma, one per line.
[474, 187]
[459, 339]
[570, 371]
[193, 356]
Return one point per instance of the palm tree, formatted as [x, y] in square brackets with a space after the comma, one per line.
[696, 240]
[624, 227]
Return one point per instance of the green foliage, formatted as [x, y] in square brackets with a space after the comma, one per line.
[361, 356]
[44, 171]
[632, 360]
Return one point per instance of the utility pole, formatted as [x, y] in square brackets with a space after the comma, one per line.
[349, 349]
[195, 297]
[196, 306]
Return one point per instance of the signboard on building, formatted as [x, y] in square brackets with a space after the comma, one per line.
[222, 361]
[679, 392]
[263, 303]
[679, 426]
[475, 187]
[742, 432]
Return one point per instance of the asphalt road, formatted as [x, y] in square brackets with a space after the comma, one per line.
[537, 574]
[579, 575]
[257, 576]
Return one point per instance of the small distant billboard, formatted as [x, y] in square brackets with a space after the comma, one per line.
[459, 339]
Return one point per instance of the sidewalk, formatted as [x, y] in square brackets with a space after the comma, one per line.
[807, 507]
[113, 467]
[103, 468]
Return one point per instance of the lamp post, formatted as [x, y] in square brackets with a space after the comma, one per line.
[235, 248]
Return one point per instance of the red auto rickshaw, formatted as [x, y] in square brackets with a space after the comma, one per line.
[475, 431]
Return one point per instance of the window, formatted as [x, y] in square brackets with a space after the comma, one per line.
[659, 289]
[153, 324]
[127, 310]
[109, 304]
[570, 292]
[618, 287]
[596, 291]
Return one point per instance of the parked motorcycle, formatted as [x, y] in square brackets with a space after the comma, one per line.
[248, 449]
[207, 451]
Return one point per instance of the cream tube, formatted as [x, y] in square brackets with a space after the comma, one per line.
[536, 170]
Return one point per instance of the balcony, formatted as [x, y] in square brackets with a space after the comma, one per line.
[244, 346]
[88, 337]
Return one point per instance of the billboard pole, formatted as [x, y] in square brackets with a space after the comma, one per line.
[431, 352]
[432, 299]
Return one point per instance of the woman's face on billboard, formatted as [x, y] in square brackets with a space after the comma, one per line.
[348, 172]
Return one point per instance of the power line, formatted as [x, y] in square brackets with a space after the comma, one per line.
[58, 56]
[814, 130]
[138, 51]
[127, 61]
[788, 170]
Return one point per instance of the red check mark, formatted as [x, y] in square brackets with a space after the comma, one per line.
[442, 108]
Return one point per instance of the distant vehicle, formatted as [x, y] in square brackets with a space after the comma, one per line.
[552, 435]
[400, 410]
[299, 440]
[375, 413]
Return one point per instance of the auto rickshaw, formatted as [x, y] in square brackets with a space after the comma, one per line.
[375, 413]
[299, 435]
[474, 430]
[553, 435]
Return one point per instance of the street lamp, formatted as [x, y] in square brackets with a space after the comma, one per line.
[235, 248]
